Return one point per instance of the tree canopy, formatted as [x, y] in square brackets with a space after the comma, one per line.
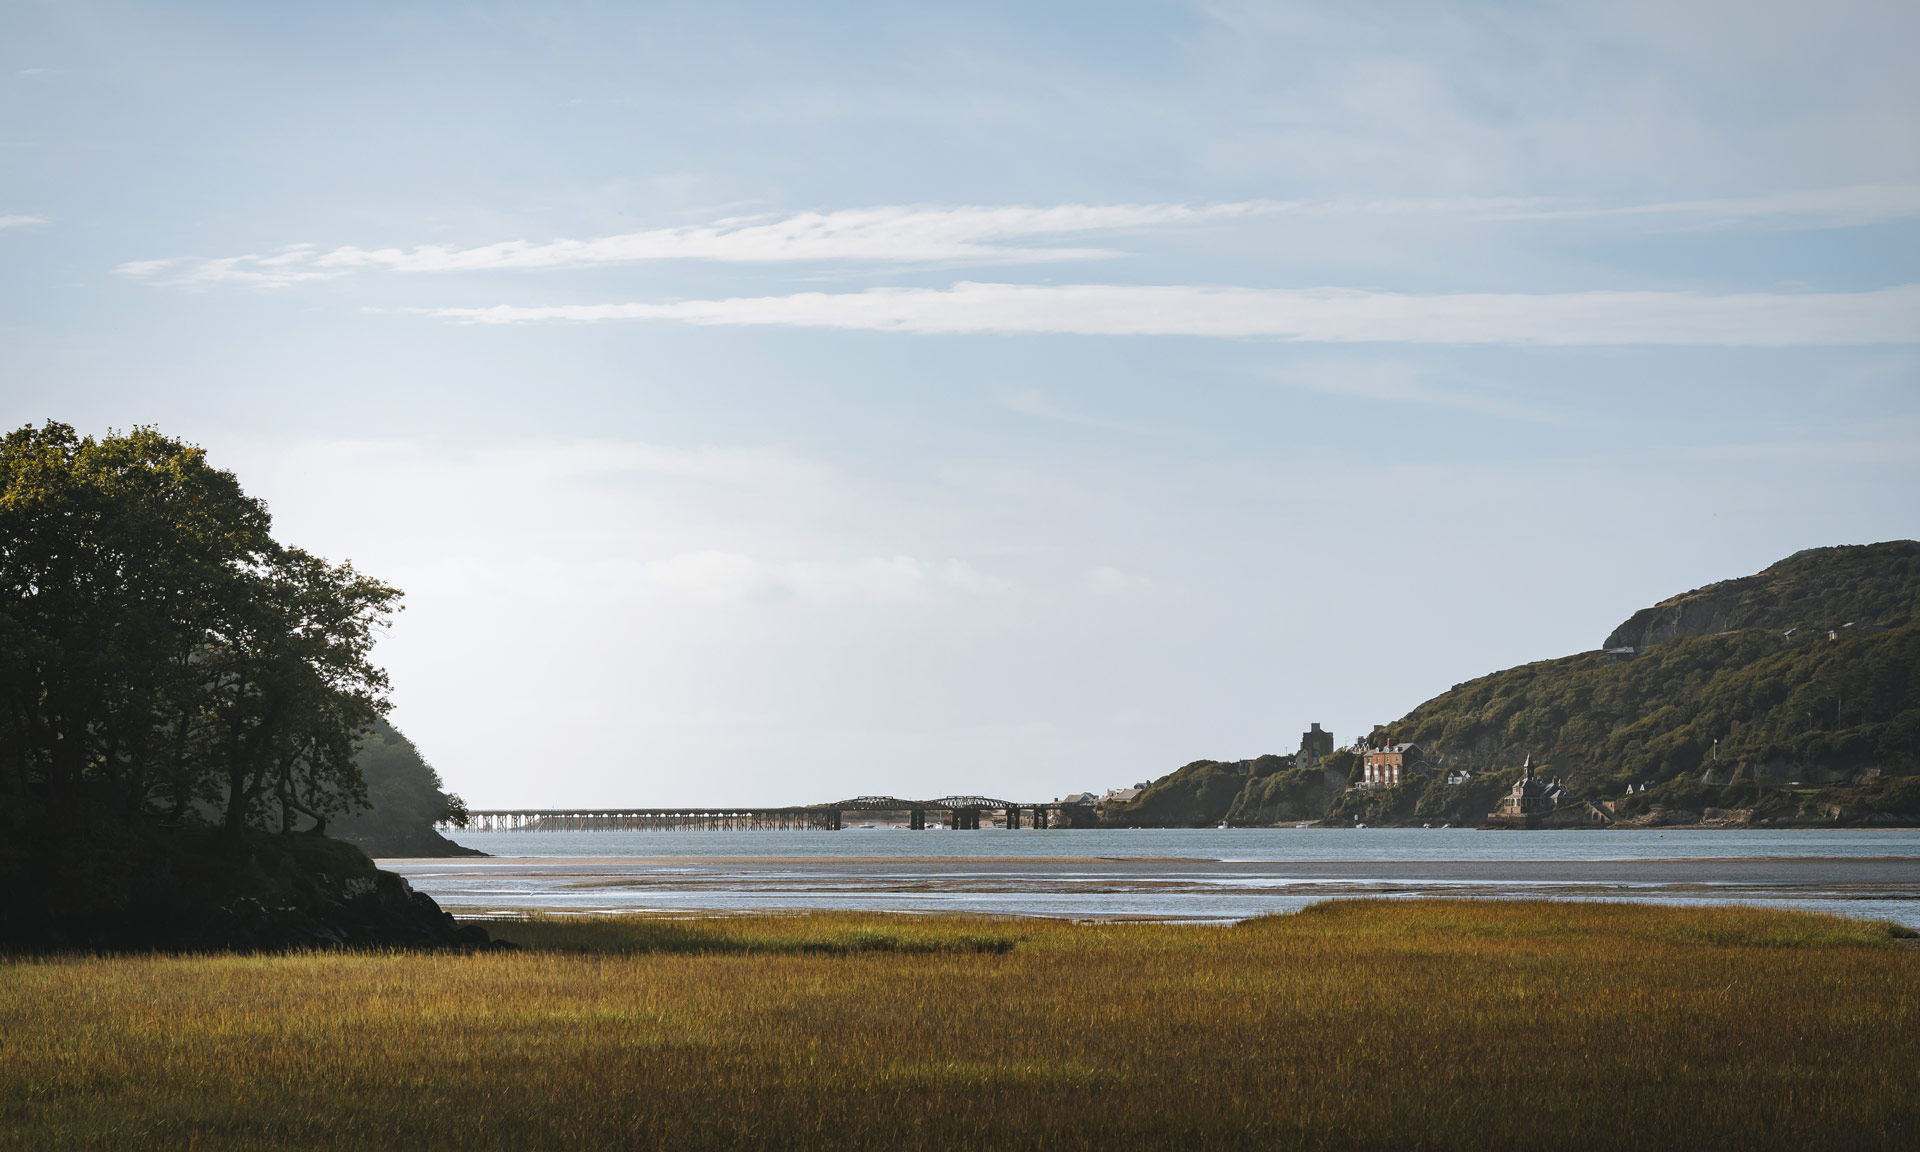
[406, 800]
[162, 657]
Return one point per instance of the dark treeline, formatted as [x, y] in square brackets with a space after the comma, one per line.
[187, 702]
[165, 658]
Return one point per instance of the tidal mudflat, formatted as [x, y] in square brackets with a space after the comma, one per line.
[1189, 874]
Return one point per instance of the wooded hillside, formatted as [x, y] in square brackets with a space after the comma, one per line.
[1793, 694]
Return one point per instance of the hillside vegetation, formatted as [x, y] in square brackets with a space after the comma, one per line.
[1819, 588]
[405, 799]
[1791, 696]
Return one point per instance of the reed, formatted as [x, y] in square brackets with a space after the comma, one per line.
[1362, 1024]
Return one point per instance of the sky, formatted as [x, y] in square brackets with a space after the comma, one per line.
[772, 403]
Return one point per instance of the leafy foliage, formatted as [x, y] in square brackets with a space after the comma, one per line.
[1198, 795]
[1810, 708]
[1745, 690]
[405, 800]
[1293, 793]
[163, 657]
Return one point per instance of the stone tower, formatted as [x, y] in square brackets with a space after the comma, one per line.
[1314, 744]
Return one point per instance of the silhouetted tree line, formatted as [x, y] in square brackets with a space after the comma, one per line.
[162, 658]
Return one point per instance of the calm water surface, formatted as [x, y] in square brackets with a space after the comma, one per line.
[1216, 843]
[1180, 874]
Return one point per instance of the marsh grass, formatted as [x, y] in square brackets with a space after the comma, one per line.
[800, 934]
[1365, 1024]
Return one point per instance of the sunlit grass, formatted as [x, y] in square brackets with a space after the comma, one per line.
[1355, 1024]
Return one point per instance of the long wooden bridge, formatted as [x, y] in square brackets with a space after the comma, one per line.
[957, 812]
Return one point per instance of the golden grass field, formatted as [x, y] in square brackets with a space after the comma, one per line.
[1362, 1024]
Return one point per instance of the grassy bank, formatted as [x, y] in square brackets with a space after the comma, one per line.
[1355, 1024]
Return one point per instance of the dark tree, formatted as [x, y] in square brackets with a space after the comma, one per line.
[160, 655]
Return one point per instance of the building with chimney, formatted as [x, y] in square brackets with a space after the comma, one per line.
[1314, 743]
[1385, 767]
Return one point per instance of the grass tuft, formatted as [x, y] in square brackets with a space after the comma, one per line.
[1361, 1024]
[802, 934]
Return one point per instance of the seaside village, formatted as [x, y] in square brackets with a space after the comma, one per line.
[1383, 765]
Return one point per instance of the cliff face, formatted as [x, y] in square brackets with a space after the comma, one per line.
[1820, 588]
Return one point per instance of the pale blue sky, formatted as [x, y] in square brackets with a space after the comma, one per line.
[772, 403]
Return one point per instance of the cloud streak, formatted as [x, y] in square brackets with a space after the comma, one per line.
[973, 234]
[20, 221]
[728, 577]
[1312, 315]
[1820, 208]
[886, 235]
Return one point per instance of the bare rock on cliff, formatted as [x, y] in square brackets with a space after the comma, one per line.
[1865, 585]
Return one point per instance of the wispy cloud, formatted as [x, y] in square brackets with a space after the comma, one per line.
[1402, 382]
[876, 235]
[1820, 207]
[1107, 580]
[1035, 403]
[1866, 451]
[1314, 315]
[973, 234]
[279, 270]
[886, 235]
[21, 221]
[729, 577]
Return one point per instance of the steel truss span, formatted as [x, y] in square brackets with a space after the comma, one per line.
[957, 812]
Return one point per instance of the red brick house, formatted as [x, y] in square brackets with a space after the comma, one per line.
[1386, 767]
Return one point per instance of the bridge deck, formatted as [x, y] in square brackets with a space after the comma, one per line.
[960, 812]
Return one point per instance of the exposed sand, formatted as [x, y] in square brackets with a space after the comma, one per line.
[1179, 888]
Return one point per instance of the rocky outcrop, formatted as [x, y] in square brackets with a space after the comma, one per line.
[421, 841]
[143, 889]
[1866, 585]
[1288, 797]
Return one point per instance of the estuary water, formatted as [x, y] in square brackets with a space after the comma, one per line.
[1214, 875]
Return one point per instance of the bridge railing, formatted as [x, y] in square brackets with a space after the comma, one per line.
[957, 812]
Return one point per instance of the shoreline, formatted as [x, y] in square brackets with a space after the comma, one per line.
[1166, 889]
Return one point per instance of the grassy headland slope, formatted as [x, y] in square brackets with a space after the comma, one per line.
[1198, 795]
[1419, 1024]
[1823, 588]
[1787, 697]
[1780, 714]
[1265, 790]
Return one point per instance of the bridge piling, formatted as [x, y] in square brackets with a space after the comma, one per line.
[961, 813]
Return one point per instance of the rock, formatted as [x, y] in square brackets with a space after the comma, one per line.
[141, 889]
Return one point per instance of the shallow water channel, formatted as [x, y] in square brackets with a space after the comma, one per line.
[1176, 874]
